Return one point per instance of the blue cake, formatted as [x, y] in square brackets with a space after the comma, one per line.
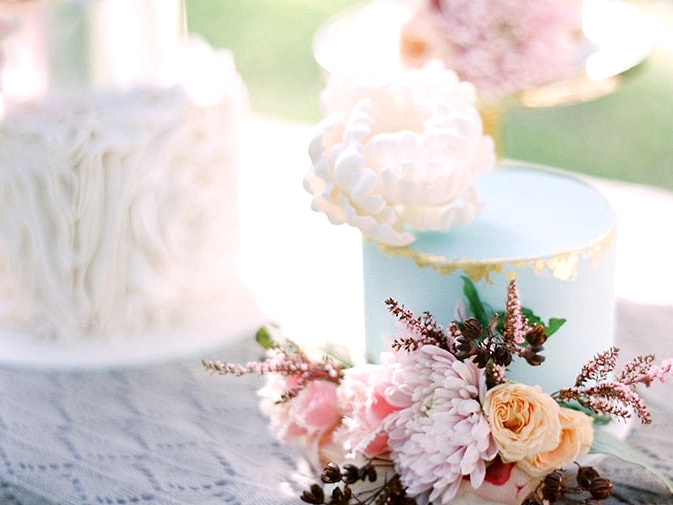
[404, 158]
[551, 232]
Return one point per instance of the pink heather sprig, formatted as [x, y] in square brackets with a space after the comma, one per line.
[599, 367]
[610, 399]
[287, 360]
[496, 375]
[596, 390]
[643, 370]
[516, 325]
[423, 329]
[491, 345]
[519, 336]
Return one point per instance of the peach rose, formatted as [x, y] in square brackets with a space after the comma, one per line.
[524, 420]
[576, 437]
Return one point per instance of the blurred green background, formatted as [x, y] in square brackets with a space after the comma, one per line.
[626, 135]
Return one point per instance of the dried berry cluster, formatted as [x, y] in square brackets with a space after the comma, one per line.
[491, 350]
[490, 340]
[343, 479]
[589, 487]
[487, 346]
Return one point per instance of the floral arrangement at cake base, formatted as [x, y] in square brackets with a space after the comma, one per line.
[438, 421]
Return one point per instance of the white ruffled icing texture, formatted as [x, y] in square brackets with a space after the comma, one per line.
[118, 209]
[399, 154]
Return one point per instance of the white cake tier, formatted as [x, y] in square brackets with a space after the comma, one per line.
[554, 234]
[118, 217]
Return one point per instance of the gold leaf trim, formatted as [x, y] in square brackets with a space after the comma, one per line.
[562, 266]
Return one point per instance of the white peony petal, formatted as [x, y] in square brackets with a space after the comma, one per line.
[359, 125]
[335, 213]
[404, 150]
[322, 138]
[358, 183]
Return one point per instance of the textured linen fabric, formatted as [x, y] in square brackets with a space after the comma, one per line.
[175, 434]
[165, 434]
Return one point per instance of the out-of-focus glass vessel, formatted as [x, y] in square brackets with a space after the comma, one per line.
[63, 45]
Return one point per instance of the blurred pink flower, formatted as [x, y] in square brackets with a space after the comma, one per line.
[307, 420]
[439, 435]
[362, 396]
[501, 47]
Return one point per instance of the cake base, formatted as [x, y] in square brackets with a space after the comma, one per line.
[237, 321]
[552, 233]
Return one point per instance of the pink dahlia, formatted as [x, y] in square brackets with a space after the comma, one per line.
[440, 435]
[502, 47]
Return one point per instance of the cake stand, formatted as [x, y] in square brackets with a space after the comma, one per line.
[616, 38]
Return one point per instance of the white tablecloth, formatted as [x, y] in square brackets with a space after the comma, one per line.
[169, 433]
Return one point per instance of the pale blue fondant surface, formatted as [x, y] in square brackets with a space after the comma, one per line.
[529, 212]
[550, 213]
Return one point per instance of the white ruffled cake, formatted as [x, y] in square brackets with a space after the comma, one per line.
[119, 232]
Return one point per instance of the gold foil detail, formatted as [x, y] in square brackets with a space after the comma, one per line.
[562, 266]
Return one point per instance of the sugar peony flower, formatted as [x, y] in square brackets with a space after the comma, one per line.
[307, 420]
[400, 154]
[576, 437]
[524, 420]
[439, 436]
[502, 47]
[362, 399]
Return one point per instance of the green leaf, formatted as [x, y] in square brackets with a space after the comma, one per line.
[550, 328]
[340, 354]
[474, 303]
[554, 324]
[532, 317]
[263, 338]
[599, 420]
[606, 443]
[501, 322]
